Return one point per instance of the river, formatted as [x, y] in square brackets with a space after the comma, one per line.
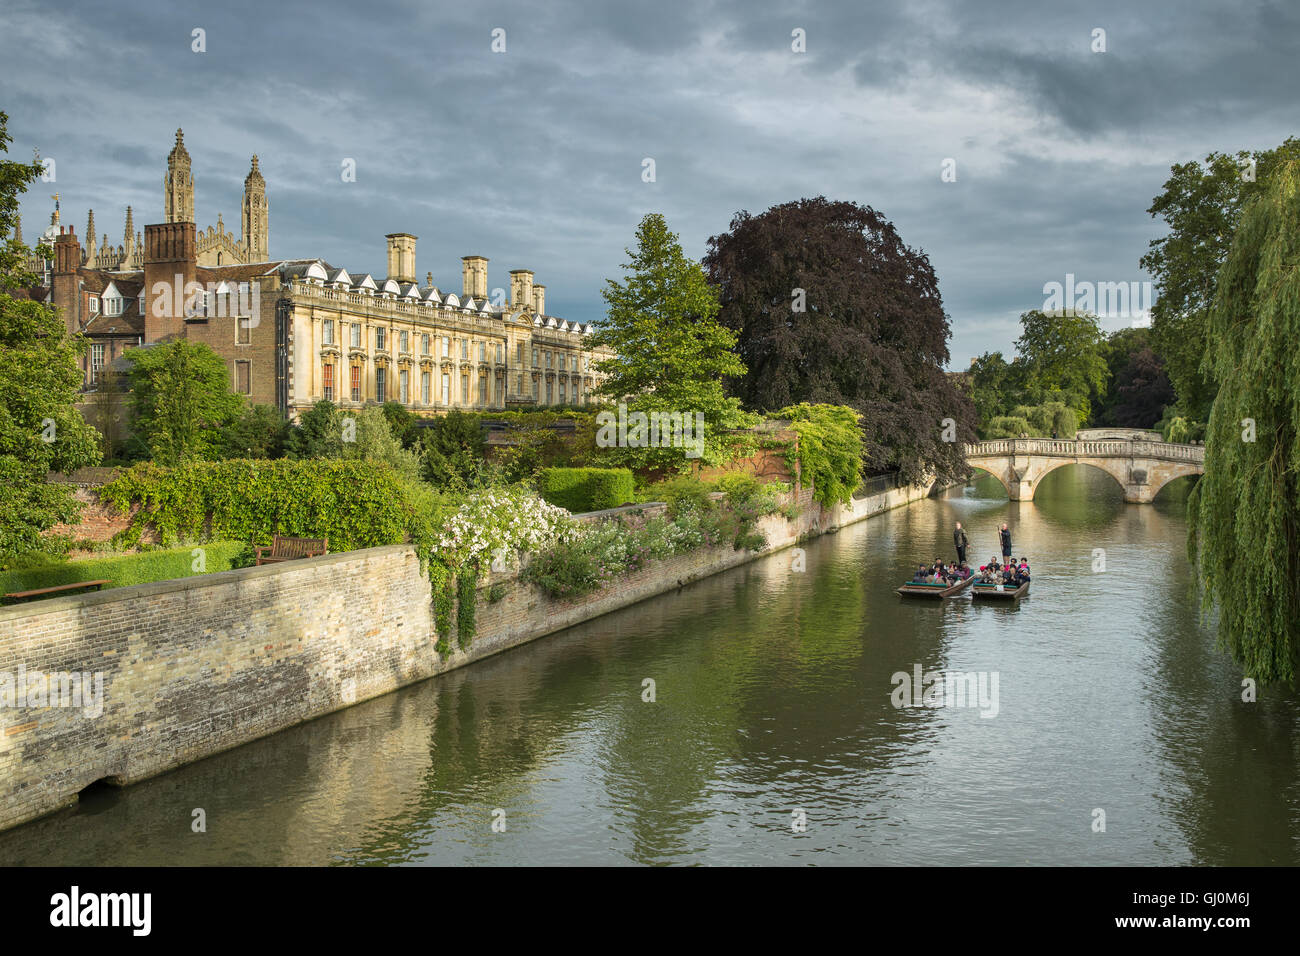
[772, 738]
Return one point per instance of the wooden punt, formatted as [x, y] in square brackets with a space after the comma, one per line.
[996, 592]
[916, 589]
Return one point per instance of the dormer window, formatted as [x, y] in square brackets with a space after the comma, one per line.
[113, 306]
[92, 304]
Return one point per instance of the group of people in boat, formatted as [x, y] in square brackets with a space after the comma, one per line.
[941, 573]
[1011, 574]
[1002, 570]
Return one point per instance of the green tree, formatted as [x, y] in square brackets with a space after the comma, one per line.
[180, 401]
[260, 432]
[1245, 512]
[1201, 204]
[671, 352]
[373, 440]
[318, 433]
[1063, 358]
[997, 386]
[40, 427]
[402, 423]
[452, 449]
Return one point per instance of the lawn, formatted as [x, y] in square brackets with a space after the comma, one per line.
[122, 569]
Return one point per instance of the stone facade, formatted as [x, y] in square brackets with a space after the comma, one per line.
[194, 667]
[295, 331]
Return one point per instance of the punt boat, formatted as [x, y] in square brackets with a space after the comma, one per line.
[999, 592]
[918, 589]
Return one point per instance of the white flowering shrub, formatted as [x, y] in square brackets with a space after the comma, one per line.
[510, 519]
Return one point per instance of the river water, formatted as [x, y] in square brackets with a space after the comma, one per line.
[772, 738]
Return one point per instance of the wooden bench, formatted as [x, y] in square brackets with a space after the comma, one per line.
[289, 549]
[16, 596]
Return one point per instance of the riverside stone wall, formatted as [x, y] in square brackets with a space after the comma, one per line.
[192, 667]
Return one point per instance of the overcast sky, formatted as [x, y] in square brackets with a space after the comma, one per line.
[534, 157]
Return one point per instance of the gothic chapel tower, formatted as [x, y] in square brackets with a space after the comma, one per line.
[254, 226]
[178, 184]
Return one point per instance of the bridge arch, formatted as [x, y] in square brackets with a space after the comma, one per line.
[1174, 473]
[1117, 469]
[991, 471]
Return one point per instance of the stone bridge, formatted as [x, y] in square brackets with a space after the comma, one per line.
[1141, 467]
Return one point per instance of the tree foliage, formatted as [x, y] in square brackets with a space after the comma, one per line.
[260, 431]
[1063, 359]
[1245, 511]
[671, 352]
[452, 449]
[40, 427]
[327, 431]
[180, 401]
[829, 306]
[1201, 204]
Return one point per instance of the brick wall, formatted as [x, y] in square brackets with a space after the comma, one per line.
[194, 667]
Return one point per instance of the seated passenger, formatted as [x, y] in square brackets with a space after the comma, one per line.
[920, 574]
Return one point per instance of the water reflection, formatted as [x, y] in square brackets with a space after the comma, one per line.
[773, 698]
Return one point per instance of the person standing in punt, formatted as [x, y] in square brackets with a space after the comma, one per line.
[1005, 537]
[960, 541]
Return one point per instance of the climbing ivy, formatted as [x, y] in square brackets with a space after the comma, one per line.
[356, 504]
[467, 584]
[830, 449]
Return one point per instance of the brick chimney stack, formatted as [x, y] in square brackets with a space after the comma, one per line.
[170, 264]
[65, 284]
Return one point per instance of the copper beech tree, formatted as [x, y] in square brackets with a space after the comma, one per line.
[829, 305]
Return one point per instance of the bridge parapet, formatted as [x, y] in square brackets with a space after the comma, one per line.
[1142, 467]
[1111, 448]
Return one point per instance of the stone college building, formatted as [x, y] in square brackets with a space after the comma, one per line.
[295, 331]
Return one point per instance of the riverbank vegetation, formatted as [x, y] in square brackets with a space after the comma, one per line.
[1245, 512]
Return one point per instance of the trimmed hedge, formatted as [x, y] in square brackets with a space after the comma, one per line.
[586, 489]
[355, 503]
[123, 570]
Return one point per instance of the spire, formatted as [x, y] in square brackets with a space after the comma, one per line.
[178, 184]
[130, 229]
[254, 232]
[179, 151]
[254, 177]
[90, 226]
[18, 228]
[54, 216]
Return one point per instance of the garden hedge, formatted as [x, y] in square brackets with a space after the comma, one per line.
[354, 503]
[586, 489]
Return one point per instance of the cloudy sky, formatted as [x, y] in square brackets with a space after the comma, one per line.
[534, 157]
